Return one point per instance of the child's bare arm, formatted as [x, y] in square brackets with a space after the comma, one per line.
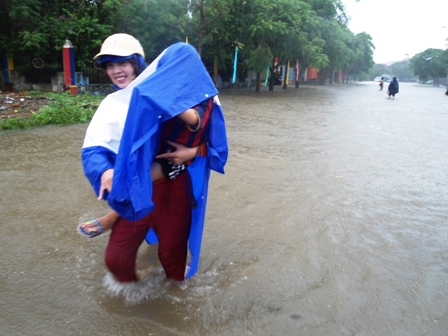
[190, 116]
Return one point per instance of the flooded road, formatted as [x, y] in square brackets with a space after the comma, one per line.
[331, 219]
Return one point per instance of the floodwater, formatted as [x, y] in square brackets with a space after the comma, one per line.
[331, 219]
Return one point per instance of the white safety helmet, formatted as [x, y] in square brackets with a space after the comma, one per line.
[121, 45]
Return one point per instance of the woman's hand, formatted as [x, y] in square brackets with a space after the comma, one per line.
[181, 153]
[106, 182]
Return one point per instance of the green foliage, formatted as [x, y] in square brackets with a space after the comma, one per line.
[274, 29]
[362, 55]
[33, 40]
[155, 23]
[78, 28]
[62, 109]
[207, 19]
[378, 70]
[36, 26]
[281, 28]
[259, 58]
[19, 16]
[313, 31]
[430, 64]
[329, 10]
[224, 27]
[402, 70]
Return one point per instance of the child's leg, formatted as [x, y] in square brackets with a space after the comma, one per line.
[156, 171]
[108, 220]
[97, 226]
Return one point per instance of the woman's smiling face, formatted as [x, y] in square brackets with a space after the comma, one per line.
[120, 73]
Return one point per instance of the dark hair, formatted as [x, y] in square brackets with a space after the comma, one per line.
[140, 64]
[135, 66]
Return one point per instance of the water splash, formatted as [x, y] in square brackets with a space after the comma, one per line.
[149, 288]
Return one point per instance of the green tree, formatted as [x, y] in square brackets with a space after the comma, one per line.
[82, 28]
[155, 23]
[305, 43]
[276, 31]
[20, 19]
[362, 56]
[313, 31]
[32, 28]
[342, 49]
[402, 70]
[231, 31]
[310, 51]
[337, 39]
[430, 64]
[204, 16]
[329, 10]
[377, 70]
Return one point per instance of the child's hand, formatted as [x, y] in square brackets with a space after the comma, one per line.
[106, 182]
[181, 153]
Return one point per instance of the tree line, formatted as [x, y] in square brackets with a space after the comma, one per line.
[267, 32]
[430, 65]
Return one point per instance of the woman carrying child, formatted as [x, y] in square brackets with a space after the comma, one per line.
[141, 135]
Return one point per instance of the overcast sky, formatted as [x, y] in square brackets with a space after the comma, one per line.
[400, 27]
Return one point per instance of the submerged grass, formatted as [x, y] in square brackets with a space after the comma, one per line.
[62, 108]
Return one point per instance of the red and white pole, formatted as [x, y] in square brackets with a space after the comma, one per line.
[69, 67]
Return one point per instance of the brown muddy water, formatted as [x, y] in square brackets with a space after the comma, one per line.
[331, 219]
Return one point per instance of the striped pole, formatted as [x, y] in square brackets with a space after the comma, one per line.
[235, 60]
[267, 76]
[69, 67]
[287, 75]
[5, 66]
[8, 65]
[297, 70]
[283, 75]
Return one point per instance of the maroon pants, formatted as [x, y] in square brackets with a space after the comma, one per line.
[170, 220]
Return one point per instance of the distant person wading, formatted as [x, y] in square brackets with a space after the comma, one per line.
[381, 83]
[393, 88]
